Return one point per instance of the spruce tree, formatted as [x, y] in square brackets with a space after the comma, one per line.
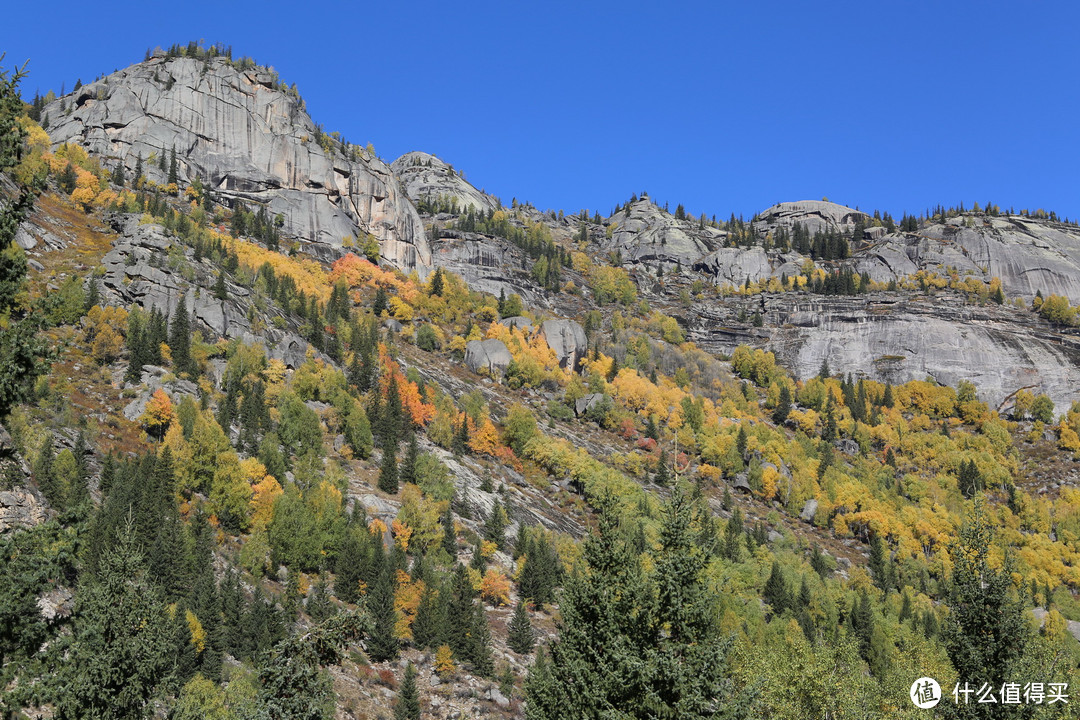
[479, 653]
[408, 701]
[173, 170]
[180, 339]
[662, 476]
[120, 648]
[382, 642]
[520, 637]
[449, 537]
[407, 470]
[776, 590]
[388, 470]
[349, 568]
[783, 405]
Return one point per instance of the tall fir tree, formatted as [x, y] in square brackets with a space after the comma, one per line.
[521, 638]
[408, 700]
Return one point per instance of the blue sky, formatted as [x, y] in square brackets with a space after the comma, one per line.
[724, 107]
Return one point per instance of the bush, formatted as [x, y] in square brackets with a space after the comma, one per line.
[427, 339]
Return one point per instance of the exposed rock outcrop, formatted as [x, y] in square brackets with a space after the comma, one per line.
[138, 270]
[1027, 254]
[895, 338]
[644, 233]
[241, 134]
[21, 508]
[814, 215]
[567, 340]
[427, 178]
[490, 355]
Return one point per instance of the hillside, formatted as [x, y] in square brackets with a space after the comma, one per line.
[290, 432]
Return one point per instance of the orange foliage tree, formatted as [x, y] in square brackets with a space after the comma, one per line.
[158, 414]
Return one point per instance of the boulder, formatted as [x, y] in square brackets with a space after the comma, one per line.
[584, 404]
[567, 340]
[809, 509]
[741, 482]
[847, 446]
[392, 325]
[645, 233]
[491, 355]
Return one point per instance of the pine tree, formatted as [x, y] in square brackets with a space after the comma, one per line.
[437, 282]
[350, 561]
[521, 638]
[878, 562]
[495, 525]
[733, 536]
[479, 653]
[408, 701]
[426, 628]
[407, 470]
[449, 538]
[220, 292]
[381, 301]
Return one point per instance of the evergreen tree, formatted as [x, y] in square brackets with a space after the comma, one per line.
[495, 525]
[408, 701]
[138, 169]
[119, 652]
[291, 685]
[733, 536]
[449, 538]
[783, 405]
[180, 339]
[381, 301]
[350, 564]
[173, 170]
[407, 471]
[878, 562]
[427, 629]
[388, 470]
[520, 637]
[776, 590]
[220, 292]
[382, 643]
[479, 653]
[437, 282]
[986, 629]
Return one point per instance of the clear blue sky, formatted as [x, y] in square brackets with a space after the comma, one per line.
[724, 107]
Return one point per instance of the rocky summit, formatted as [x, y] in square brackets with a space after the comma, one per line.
[247, 138]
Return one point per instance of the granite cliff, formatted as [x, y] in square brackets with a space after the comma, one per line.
[243, 135]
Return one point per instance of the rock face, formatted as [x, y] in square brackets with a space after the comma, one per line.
[814, 215]
[21, 508]
[568, 341]
[646, 234]
[138, 270]
[241, 134]
[1028, 255]
[487, 264]
[893, 338]
[491, 355]
[427, 178]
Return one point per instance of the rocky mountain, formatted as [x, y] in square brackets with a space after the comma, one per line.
[427, 179]
[645, 233]
[244, 136]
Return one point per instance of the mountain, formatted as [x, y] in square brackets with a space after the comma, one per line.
[248, 139]
[317, 436]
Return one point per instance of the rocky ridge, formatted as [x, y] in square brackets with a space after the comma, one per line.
[248, 141]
